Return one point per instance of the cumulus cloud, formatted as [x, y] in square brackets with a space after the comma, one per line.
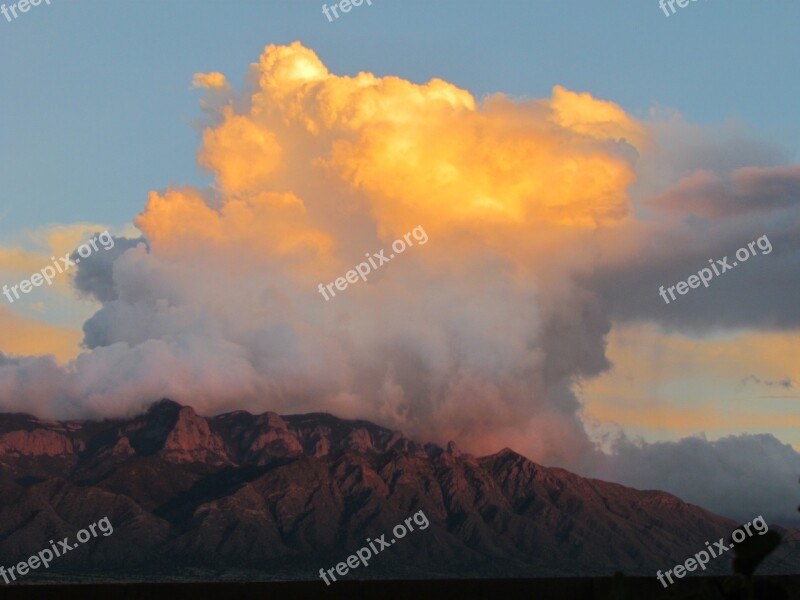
[213, 80]
[479, 335]
[94, 275]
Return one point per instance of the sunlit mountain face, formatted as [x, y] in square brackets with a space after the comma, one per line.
[265, 494]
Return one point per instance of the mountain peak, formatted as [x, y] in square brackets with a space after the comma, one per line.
[165, 406]
[452, 449]
[176, 433]
[191, 440]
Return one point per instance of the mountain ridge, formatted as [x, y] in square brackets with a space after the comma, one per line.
[268, 492]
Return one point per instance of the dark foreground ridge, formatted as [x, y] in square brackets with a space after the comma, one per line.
[242, 497]
[639, 588]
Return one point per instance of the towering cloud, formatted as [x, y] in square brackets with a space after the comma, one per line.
[479, 335]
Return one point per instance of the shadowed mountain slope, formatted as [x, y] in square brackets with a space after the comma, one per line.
[281, 496]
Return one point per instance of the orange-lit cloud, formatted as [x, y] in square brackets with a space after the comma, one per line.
[212, 80]
[243, 155]
[313, 170]
[600, 119]
[479, 335]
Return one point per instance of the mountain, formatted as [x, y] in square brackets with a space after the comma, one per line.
[279, 497]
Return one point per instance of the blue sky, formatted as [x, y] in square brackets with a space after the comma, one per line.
[89, 88]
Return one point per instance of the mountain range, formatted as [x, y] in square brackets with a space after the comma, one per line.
[265, 497]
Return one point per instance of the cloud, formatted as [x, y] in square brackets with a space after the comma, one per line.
[212, 80]
[746, 190]
[786, 382]
[94, 275]
[701, 193]
[539, 235]
[705, 223]
[738, 476]
[472, 335]
[6, 360]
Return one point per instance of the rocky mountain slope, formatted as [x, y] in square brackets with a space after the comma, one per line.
[281, 496]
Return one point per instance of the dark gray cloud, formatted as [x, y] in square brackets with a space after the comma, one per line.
[7, 360]
[748, 189]
[786, 382]
[703, 222]
[682, 149]
[739, 476]
[95, 275]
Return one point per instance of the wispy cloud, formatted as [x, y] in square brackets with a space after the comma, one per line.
[786, 382]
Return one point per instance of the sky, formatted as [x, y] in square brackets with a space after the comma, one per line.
[562, 162]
